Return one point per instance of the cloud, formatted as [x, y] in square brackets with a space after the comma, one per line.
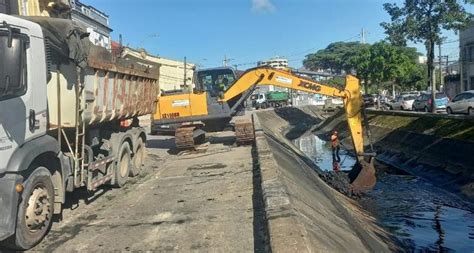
[262, 6]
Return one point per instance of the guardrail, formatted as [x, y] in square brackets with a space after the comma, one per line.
[421, 114]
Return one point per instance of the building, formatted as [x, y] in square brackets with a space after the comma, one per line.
[9, 6]
[320, 75]
[422, 59]
[466, 45]
[97, 22]
[171, 71]
[277, 62]
[46, 8]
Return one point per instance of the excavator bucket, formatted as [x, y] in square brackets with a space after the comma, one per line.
[362, 176]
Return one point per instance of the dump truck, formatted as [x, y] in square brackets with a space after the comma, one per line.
[273, 99]
[68, 119]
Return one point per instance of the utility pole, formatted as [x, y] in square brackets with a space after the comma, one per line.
[447, 64]
[362, 36]
[185, 71]
[440, 66]
[226, 61]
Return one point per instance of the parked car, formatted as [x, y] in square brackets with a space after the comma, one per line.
[369, 100]
[462, 103]
[402, 102]
[423, 102]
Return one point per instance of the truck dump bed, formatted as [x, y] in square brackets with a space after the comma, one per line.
[89, 79]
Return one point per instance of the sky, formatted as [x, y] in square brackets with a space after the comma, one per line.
[246, 31]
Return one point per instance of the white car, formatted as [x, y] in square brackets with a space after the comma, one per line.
[462, 103]
[402, 102]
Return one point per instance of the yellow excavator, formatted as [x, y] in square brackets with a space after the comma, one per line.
[219, 95]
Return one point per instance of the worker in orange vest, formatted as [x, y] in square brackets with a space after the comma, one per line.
[335, 147]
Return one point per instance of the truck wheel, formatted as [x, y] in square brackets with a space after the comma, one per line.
[35, 211]
[122, 170]
[138, 158]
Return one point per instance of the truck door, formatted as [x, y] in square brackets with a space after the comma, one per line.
[21, 119]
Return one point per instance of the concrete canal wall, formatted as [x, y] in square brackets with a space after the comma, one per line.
[302, 212]
[437, 148]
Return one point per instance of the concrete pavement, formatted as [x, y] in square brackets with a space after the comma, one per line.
[194, 202]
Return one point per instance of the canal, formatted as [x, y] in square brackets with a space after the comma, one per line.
[421, 216]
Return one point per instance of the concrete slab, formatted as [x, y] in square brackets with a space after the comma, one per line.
[303, 213]
[197, 202]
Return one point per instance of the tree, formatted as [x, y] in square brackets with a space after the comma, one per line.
[332, 57]
[360, 61]
[376, 64]
[395, 64]
[421, 21]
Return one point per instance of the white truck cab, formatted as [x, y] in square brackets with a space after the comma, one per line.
[61, 116]
[23, 103]
[23, 116]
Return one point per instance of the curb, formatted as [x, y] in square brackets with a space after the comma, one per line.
[278, 208]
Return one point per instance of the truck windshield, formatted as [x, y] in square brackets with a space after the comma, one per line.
[13, 72]
[215, 80]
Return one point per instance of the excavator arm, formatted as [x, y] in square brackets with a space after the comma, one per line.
[351, 96]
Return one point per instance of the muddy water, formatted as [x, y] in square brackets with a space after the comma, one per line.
[421, 216]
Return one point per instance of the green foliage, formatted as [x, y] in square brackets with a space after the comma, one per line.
[421, 21]
[378, 63]
[337, 81]
[332, 57]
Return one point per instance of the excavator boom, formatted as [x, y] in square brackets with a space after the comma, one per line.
[353, 105]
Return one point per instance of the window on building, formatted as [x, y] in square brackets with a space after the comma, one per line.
[471, 54]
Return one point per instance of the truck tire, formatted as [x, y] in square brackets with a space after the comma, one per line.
[35, 212]
[122, 169]
[138, 159]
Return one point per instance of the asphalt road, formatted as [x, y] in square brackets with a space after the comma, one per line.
[188, 202]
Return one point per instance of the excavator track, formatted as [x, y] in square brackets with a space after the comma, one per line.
[184, 137]
[190, 137]
[244, 132]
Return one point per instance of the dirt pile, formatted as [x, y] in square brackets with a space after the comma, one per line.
[339, 181]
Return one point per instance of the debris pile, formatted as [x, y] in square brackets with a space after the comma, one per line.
[339, 181]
